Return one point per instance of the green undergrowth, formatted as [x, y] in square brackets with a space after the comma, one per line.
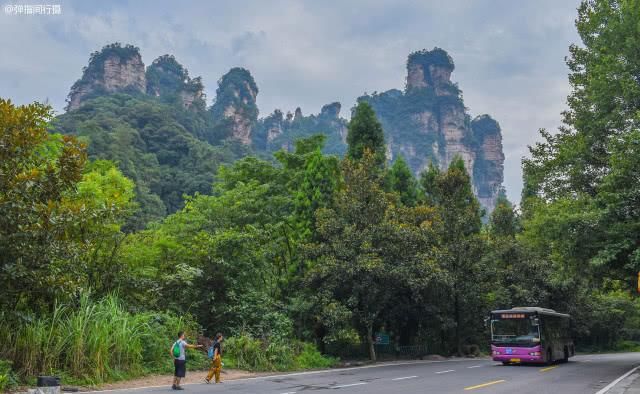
[245, 352]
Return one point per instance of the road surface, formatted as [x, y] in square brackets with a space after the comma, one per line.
[583, 374]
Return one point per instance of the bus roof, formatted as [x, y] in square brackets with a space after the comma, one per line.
[531, 309]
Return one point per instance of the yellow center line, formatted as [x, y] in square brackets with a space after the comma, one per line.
[484, 385]
[548, 368]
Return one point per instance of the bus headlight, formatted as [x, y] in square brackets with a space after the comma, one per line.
[534, 353]
[496, 353]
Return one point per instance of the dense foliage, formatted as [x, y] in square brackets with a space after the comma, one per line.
[436, 56]
[169, 80]
[159, 146]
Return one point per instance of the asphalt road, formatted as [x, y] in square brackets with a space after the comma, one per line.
[583, 374]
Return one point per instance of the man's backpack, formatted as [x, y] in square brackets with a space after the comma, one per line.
[176, 349]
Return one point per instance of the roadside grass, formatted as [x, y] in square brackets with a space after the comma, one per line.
[91, 343]
[96, 342]
[622, 346]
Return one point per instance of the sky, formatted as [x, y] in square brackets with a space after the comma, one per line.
[509, 55]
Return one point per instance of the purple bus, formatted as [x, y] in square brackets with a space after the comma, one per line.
[530, 335]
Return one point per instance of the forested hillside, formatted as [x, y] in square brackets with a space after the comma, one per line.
[142, 211]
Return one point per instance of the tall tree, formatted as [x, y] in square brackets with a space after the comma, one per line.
[603, 104]
[460, 213]
[369, 251]
[402, 181]
[365, 133]
[570, 177]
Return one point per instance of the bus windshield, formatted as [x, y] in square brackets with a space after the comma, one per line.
[514, 331]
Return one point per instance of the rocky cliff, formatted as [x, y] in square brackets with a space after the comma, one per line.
[235, 106]
[428, 123]
[169, 80]
[277, 131]
[488, 169]
[119, 69]
[113, 69]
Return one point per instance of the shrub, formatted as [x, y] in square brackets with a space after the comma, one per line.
[7, 376]
[245, 352]
[310, 358]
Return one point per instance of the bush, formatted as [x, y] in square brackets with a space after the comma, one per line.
[245, 352]
[311, 358]
[627, 346]
[7, 376]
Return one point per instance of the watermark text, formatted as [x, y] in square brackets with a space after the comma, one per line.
[33, 9]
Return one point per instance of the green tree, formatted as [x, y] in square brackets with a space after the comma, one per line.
[603, 103]
[451, 194]
[367, 251]
[580, 216]
[321, 177]
[503, 221]
[365, 133]
[402, 181]
[581, 180]
[54, 212]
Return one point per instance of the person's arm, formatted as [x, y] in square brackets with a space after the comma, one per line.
[190, 346]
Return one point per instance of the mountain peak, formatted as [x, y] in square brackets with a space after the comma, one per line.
[429, 69]
[168, 79]
[115, 68]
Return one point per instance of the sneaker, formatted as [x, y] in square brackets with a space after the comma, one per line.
[173, 387]
[207, 381]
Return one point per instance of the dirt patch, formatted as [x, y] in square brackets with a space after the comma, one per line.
[166, 380]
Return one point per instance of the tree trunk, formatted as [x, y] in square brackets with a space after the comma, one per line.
[456, 306]
[372, 350]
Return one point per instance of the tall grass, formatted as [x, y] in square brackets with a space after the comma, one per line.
[99, 341]
[94, 342]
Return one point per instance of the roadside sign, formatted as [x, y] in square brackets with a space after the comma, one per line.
[381, 338]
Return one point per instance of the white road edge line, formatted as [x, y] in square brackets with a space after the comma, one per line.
[610, 385]
[289, 392]
[449, 370]
[475, 366]
[404, 377]
[348, 385]
[293, 374]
